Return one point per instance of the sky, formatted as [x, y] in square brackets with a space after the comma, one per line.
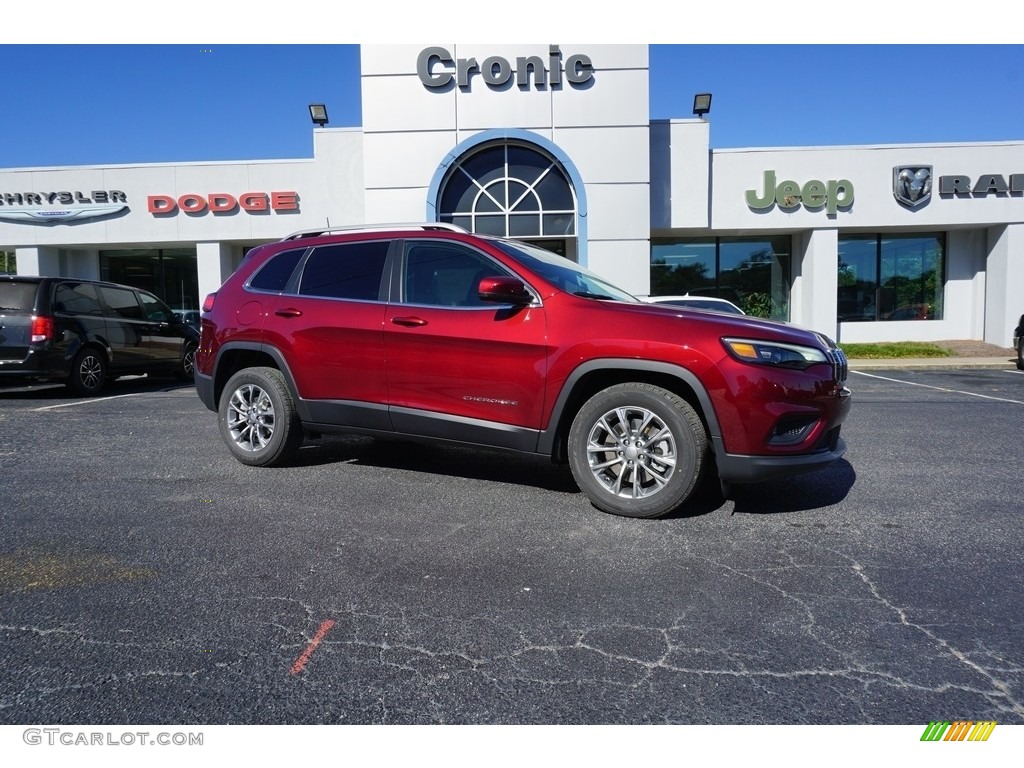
[69, 98]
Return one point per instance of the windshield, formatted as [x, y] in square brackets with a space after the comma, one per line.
[561, 272]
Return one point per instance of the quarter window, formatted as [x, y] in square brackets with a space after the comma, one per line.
[274, 275]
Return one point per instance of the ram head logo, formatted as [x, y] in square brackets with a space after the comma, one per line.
[912, 184]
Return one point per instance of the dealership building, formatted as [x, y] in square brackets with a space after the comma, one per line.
[554, 144]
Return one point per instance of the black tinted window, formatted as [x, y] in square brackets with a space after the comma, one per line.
[349, 271]
[446, 275]
[274, 275]
[77, 299]
[122, 302]
[154, 310]
[17, 297]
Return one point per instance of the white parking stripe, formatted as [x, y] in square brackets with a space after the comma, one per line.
[88, 402]
[940, 389]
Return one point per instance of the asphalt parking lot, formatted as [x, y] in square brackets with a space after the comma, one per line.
[147, 577]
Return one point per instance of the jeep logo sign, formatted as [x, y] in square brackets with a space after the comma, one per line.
[436, 68]
[814, 194]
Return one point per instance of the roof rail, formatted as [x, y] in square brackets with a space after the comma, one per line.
[426, 226]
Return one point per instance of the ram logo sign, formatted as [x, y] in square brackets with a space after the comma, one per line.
[912, 184]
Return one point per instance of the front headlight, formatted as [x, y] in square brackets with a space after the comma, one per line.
[774, 353]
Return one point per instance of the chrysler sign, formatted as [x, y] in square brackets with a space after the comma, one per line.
[60, 207]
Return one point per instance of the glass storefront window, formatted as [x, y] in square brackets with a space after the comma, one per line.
[170, 273]
[891, 278]
[753, 273]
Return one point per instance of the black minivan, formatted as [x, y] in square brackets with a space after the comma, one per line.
[86, 332]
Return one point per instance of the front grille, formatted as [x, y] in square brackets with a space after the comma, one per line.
[840, 366]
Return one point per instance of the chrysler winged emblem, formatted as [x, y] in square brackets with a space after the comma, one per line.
[912, 184]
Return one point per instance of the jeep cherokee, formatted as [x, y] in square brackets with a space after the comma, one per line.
[433, 333]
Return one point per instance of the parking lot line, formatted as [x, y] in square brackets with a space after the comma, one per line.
[940, 389]
[89, 401]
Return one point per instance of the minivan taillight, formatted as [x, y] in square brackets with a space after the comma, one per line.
[42, 329]
[208, 304]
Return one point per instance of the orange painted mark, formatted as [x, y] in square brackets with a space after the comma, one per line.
[300, 663]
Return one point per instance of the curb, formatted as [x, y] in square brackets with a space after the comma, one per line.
[935, 363]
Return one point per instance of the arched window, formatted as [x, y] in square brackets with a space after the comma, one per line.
[509, 190]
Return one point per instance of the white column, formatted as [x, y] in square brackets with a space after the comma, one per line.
[814, 299]
[38, 261]
[1004, 279]
[213, 265]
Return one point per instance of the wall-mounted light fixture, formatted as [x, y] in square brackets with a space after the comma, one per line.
[701, 104]
[318, 114]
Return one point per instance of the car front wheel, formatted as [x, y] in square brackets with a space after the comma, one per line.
[257, 418]
[187, 365]
[637, 450]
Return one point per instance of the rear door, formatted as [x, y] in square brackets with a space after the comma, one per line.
[328, 326]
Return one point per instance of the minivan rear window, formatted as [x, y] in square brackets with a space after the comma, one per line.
[17, 297]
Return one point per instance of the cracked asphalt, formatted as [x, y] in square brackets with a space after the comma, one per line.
[147, 577]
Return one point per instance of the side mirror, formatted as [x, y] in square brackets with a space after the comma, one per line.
[504, 290]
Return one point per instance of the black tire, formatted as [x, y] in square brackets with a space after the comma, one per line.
[88, 372]
[1020, 355]
[186, 370]
[653, 471]
[257, 418]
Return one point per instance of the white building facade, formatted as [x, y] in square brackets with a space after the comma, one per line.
[554, 144]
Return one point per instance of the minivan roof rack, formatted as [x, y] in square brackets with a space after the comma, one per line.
[426, 226]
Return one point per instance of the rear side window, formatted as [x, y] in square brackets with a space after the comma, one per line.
[274, 275]
[77, 299]
[17, 297]
[122, 302]
[346, 271]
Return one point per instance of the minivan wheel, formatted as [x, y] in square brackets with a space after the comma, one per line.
[637, 450]
[257, 418]
[187, 367]
[88, 372]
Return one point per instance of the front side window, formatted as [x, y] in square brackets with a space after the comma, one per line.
[891, 278]
[153, 309]
[347, 271]
[445, 275]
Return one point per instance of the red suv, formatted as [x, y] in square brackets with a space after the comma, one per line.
[434, 333]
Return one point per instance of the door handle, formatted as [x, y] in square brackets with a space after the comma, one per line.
[409, 322]
[288, 312]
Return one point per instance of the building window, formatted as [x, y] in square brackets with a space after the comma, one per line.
[751, 272]
[510, 190]
[891, 277]
[170, 273]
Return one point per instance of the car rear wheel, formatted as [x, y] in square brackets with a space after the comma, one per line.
[257, 418]
[88, 372]
[637, 450]
[1020, 355]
